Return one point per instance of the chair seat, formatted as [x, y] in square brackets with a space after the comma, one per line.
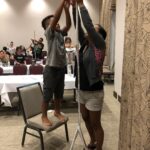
[36, 121]
[30, 97]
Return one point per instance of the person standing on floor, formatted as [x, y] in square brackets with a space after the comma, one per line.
[91, 58]
[70, 55]
[54, 72]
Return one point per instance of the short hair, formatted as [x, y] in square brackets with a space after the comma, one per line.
[18, 48]
[68, 38]
[102, 31]
[45, 20]
[41, 38]
[5, 48]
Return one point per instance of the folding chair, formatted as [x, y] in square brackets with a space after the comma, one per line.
[29, 60]
[12, 61]
[31, 97]
[19, 69]
[36, 69]
[44, 53]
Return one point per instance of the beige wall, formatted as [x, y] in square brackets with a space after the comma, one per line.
[119, 43]
[21, 18]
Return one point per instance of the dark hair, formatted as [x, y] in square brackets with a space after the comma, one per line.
[44, 21]
[68, 38]
[102, 31]
[18, 48]
[5, 48]
[41, 38]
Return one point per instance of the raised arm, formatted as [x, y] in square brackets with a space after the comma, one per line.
[68, 19]
[57, 15]
[80, 30]
[96, 38]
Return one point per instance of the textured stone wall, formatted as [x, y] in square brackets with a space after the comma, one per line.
[135, 104]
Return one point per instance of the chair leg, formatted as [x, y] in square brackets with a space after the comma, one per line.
[41, 139]
[74, 94]
[66, 130]
[24, 135]
[1, 104]
[19, 108]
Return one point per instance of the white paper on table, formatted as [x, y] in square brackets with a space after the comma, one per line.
[72, 49]
[4, 96]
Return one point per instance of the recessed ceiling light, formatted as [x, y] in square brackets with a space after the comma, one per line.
[3, 6]
[38, 5]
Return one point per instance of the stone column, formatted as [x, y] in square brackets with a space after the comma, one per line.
[135, 103]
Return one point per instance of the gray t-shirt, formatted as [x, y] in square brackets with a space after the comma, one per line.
[56, 50]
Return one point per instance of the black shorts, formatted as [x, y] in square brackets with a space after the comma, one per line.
[53, 79]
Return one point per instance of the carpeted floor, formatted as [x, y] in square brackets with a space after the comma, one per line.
[11, 127]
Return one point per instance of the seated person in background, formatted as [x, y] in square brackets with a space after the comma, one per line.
[68, 42]
[11, 48]
[70, 54]
[19, 56]
[6, 50]
[23, 49]
[37, 47]
[4, 58]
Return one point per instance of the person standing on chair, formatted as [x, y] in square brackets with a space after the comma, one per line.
[91, 57]
[54, 72]
[37, 47]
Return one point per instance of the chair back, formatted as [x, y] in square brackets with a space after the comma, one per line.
[12, 61]
[44, 53]
[31, 97]
[19, 69]
[29, 60]
[36, 69]
[1, 71]
[44, 61]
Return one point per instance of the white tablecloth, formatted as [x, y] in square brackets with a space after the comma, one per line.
[9, 84]
[8, 70]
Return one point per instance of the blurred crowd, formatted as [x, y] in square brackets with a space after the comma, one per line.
[19, 54]
[35, 51]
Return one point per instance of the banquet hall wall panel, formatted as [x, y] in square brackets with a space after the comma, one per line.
[21, 19]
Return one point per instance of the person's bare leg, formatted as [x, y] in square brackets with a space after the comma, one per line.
[95, 119]
[44, 117]
[86, 118]
[57, 112]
